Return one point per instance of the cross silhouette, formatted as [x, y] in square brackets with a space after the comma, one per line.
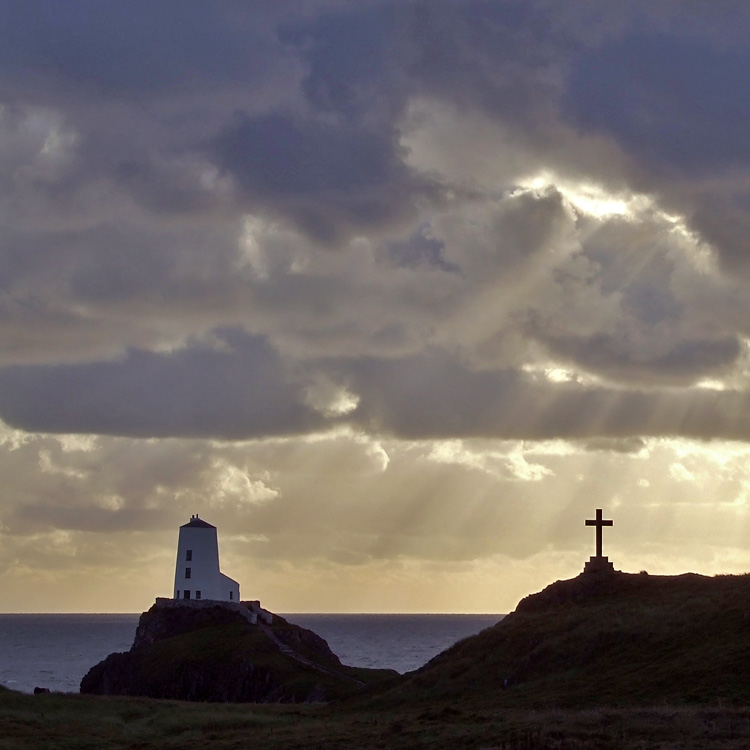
[599, 522]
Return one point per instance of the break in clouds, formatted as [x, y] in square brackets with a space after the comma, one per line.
[374, 283]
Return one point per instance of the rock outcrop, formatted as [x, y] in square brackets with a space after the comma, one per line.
[217, 651]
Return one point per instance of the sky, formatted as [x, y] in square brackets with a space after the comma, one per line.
[394, 293]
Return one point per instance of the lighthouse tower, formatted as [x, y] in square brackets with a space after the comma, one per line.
[197, 574]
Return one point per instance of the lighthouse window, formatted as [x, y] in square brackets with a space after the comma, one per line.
[186, 594]
[231, 595]
[197, 594]
[187, 572]
[188, 555]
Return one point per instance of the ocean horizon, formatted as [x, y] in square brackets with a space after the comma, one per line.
[55, 651]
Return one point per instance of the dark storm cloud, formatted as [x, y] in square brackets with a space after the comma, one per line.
[723, 221]
[241, 389]
[131, 50]
[616, 357]
[240, 392]
[432, 396]
[672, 92]
[679, 104]
[324, 177]
[350, 59]
[491, 56]
[141, 136]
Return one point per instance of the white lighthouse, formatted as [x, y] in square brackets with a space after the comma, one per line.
[197, 574]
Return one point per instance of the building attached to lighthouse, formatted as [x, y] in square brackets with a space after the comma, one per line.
[197, 574]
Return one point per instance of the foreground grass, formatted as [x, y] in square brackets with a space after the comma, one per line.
[59, 722]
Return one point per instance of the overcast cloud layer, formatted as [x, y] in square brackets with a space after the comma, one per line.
[394, 293]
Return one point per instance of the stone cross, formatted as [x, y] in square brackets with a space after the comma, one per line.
[599, 522]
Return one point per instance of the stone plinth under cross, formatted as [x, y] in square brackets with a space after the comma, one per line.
[599, 563]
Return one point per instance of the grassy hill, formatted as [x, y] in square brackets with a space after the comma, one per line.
[621, 639]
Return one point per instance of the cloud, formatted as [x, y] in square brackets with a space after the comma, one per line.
[670, 96]
[327, 179]
[659, 94]
[514, 285]
[385, 286]
[433, 397]
[687, 361]
[624, 445]
[103, 51]
[194, 391]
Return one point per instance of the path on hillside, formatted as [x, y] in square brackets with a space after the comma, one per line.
[285, 648]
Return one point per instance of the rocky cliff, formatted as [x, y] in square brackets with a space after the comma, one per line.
[216, 652]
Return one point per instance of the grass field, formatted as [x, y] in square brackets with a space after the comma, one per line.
[57, 722]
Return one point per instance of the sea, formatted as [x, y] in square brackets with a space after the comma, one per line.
[56, 651]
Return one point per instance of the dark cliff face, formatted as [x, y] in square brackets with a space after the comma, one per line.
[213, 653]
[233, 681]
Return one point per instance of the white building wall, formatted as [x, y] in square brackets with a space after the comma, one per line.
[230, 589]
[198, 541]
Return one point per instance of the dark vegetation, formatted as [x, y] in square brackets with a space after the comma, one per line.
[626, 662]
[83, 722]
[214, 654]
[622, 639]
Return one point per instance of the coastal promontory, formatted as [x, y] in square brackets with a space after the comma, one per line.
[225, 652]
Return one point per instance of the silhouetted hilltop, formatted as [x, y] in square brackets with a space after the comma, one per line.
[601, 640]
